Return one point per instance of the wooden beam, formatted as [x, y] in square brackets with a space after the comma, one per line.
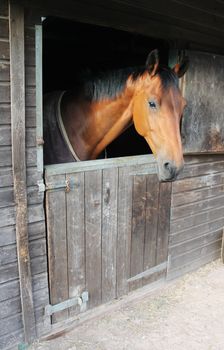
[17, 75]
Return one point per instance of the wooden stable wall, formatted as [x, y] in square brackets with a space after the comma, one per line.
[197, 214]
[196, 210]
[11, 322]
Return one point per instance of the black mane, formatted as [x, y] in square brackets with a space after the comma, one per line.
[110, 84]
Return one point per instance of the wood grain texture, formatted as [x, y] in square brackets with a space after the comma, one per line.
[75, 203]
[124, 230]
[109, 233]
[19, 166]
[159, 19]
[202, 126]
[197, 216]
[93, 188]
[57, 248]
[138, 227]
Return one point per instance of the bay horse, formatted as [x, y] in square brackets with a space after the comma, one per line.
[100, 108]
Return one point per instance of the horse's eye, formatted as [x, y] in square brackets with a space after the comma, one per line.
[152, 104]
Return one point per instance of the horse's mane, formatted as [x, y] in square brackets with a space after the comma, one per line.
[110, 84]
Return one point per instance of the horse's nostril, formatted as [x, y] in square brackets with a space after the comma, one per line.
[167, 165]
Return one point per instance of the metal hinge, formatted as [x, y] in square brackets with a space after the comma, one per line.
[79, 300]
[66, 184]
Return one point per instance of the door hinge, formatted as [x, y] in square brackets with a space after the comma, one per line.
[64, 184]
[79, 300]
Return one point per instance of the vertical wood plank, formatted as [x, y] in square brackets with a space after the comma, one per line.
[76, 237]
[17, 78]
[57, 246]
[109, 233]
[124, 230]
[152, 202]
[163, 222]
[138, 227]
[93, 187]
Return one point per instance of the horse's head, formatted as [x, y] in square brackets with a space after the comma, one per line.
[157, 109]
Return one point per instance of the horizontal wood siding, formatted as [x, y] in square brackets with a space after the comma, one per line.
[197, 215]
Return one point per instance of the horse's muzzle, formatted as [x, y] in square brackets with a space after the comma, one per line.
[168, 171]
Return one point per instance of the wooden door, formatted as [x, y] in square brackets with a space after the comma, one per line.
[108, 225]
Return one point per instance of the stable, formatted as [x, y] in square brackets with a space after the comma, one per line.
[75, 236]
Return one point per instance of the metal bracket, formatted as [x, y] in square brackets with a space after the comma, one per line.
[41, 186]
[67, 185]
[80, 300]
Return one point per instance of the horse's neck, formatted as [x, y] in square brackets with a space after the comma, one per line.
[92, 126]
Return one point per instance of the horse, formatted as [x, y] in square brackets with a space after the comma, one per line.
[99, 108]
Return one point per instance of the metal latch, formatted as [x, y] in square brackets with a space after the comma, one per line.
[79, 300]
[67, 184]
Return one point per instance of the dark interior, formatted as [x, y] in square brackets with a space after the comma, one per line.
[70, 47]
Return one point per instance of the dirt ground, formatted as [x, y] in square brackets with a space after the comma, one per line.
[186, 315]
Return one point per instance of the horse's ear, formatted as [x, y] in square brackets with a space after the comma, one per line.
[182, 66]
[152, 62]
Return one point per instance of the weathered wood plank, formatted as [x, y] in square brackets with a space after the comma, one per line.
[198, 169]
[34, 196]
[4, 28]
[10, 307]
[8, 254]
[197, 182]
[57, 248]
[196, 219]
[5, 177]
[30, 79]
[30, 97]
[9, 272]
[4, 93]
[6, 197]
[182, 198]
[138, 227]
[109, 233]
[7, 216]
[190, 209]
[202, 125]
[11, 341]
[9, 290]
[37, 230]
[196, 231]
[195, 254]
[190, 244]
[124, 230]
[7, 235]
[4, 72]
[163, 222]
[93, 188]
[4, 50]
[19, 165]
[76, 238]
[10, 325]
[39, 265]
[193, 265]
[152, 203]
[5, 114]
[4, 11]
[5, 135]
[36, 213]
[37, 248]
[30, 117]
[100, 164]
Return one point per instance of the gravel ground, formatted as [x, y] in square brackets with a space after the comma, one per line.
[186, 315]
